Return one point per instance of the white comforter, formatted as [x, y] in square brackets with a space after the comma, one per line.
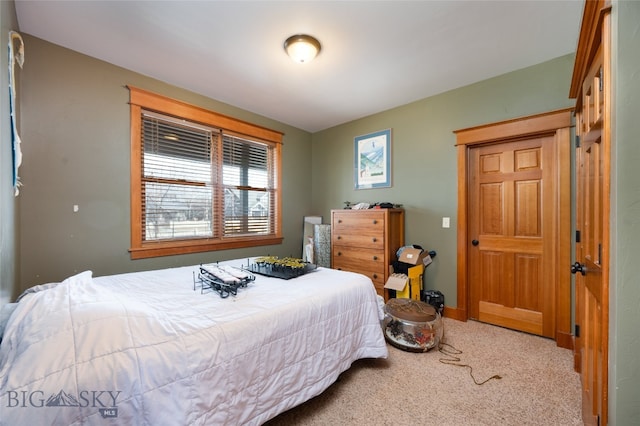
[145, 348]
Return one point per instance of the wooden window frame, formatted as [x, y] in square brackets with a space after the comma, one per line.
[142, 100]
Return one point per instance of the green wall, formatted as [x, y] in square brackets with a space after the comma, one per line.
[624, 343]
[8, 204]
[424, 165]
[75, 124]
[76, 151]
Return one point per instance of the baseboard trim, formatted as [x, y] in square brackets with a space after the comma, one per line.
[564, 340]
[455, 313]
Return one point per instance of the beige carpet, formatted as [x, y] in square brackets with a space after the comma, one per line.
[537, 387]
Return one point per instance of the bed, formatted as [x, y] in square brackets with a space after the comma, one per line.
[146, 348]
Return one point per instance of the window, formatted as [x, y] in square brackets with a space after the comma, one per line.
[200, 181]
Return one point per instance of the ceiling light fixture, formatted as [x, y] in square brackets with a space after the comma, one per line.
[302, 48]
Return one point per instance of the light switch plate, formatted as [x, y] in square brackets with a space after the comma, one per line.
[446, 222]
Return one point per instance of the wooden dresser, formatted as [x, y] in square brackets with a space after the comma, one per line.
[366, 241]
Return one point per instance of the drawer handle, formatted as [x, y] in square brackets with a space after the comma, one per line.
[375, 239]
[339, 220]
[375, 257]
[339, 237]
[375, 222]
[339, 253]
[375, 276]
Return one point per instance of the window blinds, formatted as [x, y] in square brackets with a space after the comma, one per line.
[199, 183]
[248, 187]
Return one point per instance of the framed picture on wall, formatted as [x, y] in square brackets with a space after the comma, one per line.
[373, 160]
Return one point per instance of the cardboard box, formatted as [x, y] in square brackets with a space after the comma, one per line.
[396, 282]
[415, 283]
[414, 256]
[409, 286]
[406, 286]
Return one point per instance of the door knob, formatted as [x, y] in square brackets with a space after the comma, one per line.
[578, 267]
[475, 242]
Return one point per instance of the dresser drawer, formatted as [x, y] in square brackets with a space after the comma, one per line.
[358, 220]
[375, 276]
[359, 239]
[363, 228]
[374, 269]
[349, 258]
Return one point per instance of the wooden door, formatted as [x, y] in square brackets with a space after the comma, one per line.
[512, 226]
[590, 285]
[592, 263]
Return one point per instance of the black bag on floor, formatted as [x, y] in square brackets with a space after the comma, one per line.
[435, 299]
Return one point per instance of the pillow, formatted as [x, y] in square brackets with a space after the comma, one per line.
[35, 289]
[82, 276]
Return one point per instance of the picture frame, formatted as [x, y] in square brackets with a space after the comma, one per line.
[372, 160]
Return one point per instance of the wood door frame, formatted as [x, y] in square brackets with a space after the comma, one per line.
[554, 123]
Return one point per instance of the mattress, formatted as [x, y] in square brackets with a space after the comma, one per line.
[146, 348]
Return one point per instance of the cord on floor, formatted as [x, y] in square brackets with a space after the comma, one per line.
[454, 359]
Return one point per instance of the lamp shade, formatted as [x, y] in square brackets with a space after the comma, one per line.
[302, 48]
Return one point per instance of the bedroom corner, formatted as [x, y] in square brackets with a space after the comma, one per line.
[80, 156]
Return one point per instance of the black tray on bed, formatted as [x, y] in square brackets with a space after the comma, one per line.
[283, 273]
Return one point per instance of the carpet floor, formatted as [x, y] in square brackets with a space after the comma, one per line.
[537, 385]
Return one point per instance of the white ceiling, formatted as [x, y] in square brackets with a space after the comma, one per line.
[375, 55]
